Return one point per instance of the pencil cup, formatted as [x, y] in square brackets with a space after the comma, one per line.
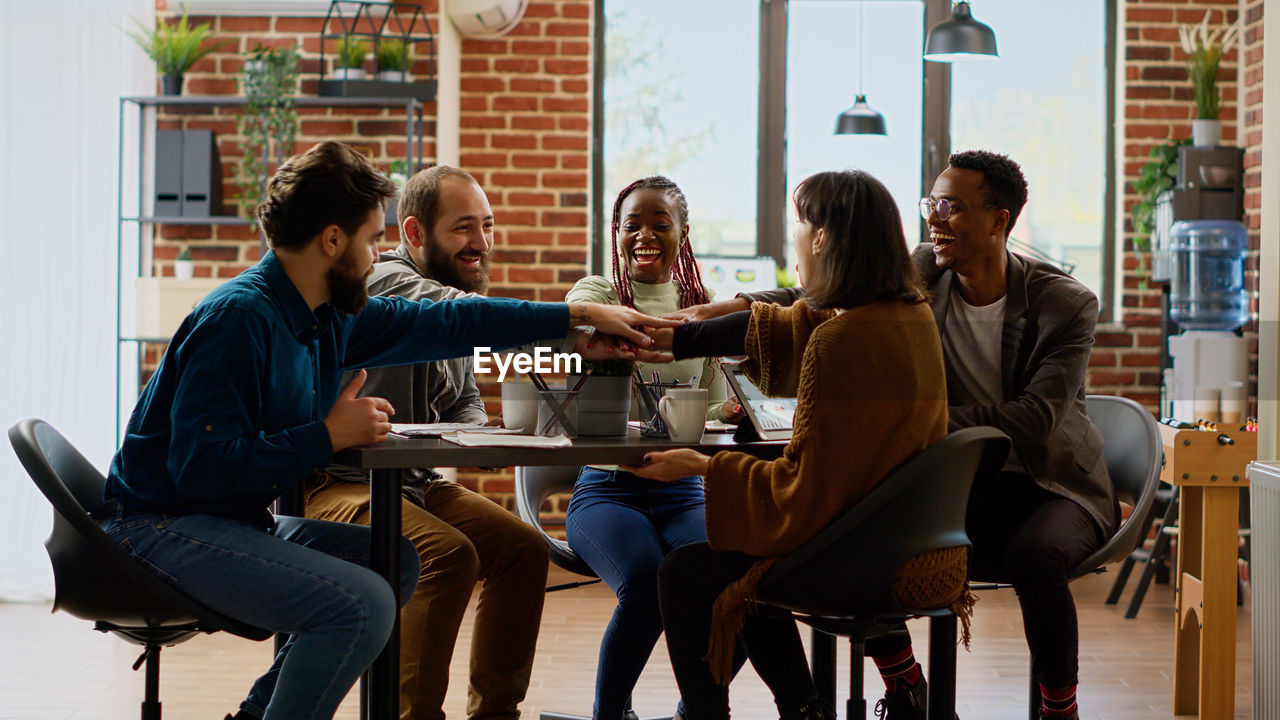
[557, 413]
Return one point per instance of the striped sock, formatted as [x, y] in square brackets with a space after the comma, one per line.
[899, 666]
[1057, 702]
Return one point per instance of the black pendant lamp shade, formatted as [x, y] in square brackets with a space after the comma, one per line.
[860, 119]
[960, 37]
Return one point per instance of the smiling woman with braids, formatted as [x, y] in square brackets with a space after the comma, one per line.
[619, 524]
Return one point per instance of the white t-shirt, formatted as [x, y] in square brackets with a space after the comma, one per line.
[971, 344]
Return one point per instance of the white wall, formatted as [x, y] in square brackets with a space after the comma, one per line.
[63, 67]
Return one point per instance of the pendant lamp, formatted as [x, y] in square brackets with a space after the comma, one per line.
[960, 37]
[861, 119]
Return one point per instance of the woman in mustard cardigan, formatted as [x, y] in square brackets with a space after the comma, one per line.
[862, 356]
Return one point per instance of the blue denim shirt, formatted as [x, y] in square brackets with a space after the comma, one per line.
[234, 415]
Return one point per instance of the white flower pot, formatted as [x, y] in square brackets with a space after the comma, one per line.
[349, 74]
[184, 269]
[392, 76]
[1206, 133]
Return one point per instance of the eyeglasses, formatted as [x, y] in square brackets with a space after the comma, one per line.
[941, 208]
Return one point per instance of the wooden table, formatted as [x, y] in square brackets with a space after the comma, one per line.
[386, 460]
[1211, 475]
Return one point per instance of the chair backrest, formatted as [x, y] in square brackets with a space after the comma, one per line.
[534, 484]
[1133, 454]
[94, 578]
[849, 567]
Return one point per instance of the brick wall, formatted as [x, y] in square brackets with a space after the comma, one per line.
[525, 128]
[1157, 105]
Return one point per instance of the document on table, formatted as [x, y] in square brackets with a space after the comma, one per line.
[481, 439]
[710, 426]
[438, 429]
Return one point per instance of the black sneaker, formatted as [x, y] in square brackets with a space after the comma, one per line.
[1074, 716]
[906, 702]
[811, 709]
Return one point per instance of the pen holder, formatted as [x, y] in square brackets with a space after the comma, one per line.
[558, 413]
[647, 396]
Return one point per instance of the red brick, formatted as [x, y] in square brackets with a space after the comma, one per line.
[531, 198]
[567, 67]
[209, 86]
[570, 48]
[326, 127]
[533, 47]
[523, 103]
[563, 142]
[309, 25]
[520, 142]
[538, 85]
[486, 122]
[570, 275]
[568, 29]
[369, 128]
[474, 65]
[573, 162]
[530, 237]
[576, 11]
[482, 84]
[533, 122]
[565, 180]
[485, 47]
[530, 275]
[573, 105]
[512, 218]
[516, 65]
[515, 179]
[569, 122]
[1107, 377]
[508, 256]
[526, 160]
[1139, 14]
[558, 218]
[566, 257]
[1146, 52]
[574, 85]
[230, 24]
[494, 160]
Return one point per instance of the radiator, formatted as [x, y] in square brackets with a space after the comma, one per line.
[1264, 585]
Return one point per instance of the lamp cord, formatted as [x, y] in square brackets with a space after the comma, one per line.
[861, 5]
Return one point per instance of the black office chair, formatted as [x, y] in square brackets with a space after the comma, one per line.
[1133, 454]
[97, 580]
[842, 582]
[534, 485]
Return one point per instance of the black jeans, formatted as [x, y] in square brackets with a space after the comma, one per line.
[1025, 535]
[689, 581]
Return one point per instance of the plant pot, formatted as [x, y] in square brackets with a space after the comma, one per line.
[171, 85]
[392, 76]
[604, 405]
[1206, 133]
[184, 269]
[349, 74]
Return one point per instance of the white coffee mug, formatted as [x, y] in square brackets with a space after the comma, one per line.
[684, 410]
[519, 407]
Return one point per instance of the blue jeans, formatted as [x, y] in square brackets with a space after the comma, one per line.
[307, 578]
[622, 526]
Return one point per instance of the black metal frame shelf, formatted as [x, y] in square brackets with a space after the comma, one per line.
[348, 25]
[147, 107]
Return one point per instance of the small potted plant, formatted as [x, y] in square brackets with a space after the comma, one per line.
[393, 60]
[1204, 49]
[174, 48]
[183, 266]
[604, 400]
[349, 59]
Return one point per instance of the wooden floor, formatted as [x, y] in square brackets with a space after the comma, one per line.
[55, 667]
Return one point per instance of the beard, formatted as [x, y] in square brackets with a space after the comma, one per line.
[442, 268]
[347, 291]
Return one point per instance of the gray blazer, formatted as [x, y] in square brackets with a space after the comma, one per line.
[1048, 334]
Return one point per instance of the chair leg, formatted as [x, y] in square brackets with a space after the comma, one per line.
[151, 693]
[942, 668]
[1159, 551]
[1122, 577]
[822, 662]
[1033, 713]
[855, 708]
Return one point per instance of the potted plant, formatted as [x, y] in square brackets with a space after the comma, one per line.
[349, 58]
[1204, 49]
[1157, 176]
[393, 60]
[604, 400]
[269, 83]
[183, 266]
[174, 48]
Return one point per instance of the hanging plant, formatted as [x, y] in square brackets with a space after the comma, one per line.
[1157, 176]
[269, 82]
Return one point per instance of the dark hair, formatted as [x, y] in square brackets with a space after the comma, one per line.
[330, 184]
[864, 258]
[685, 269]
[421, 196]
[1002, 180]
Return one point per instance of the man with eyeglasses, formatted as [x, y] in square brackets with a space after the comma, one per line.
[1016, 336]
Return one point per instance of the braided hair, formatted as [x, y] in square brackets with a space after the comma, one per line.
[685, 269]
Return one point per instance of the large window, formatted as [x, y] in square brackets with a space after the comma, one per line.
[822, 80]
[1044, 103]
[680, 100]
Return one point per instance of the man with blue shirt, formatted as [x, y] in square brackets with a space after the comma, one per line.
[246, 403]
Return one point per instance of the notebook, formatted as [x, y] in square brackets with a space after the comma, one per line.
[767, 418]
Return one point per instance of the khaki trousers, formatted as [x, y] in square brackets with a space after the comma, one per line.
[462, 538]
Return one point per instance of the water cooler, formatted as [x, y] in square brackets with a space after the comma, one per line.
[1208, 302]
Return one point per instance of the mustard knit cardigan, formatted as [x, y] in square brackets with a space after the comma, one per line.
[871, 392]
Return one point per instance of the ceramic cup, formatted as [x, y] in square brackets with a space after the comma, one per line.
[519, 407]
[685, 411]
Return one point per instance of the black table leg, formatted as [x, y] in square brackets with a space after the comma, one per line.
[384, 558]
[822, 662]
[942, 667]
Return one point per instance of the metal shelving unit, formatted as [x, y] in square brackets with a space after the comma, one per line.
[138, 222]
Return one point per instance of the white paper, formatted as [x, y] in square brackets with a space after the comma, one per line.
[438, 429]
[472, 439]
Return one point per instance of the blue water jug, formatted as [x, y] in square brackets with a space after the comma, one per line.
[1207, 283]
